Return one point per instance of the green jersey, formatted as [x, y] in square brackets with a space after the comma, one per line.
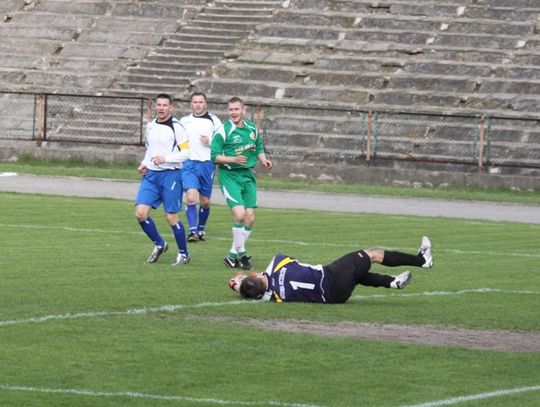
[231, 141]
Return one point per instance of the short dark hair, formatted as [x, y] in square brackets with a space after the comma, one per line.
[252, 287]
[198, 94]
[236, 99]
[164, 96]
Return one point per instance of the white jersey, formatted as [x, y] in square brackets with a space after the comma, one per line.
[197, 126]
[168, 139]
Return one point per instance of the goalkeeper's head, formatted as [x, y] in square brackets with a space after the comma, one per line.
[253, 286]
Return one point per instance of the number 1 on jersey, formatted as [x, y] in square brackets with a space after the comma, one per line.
[298, 284]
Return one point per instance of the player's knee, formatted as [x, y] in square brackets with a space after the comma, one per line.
[141, 214]
[172, 218]
[204, 202]
[375, 254]
[191, 196]
[249, 218]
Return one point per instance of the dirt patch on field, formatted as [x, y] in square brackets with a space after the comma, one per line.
[509, 341]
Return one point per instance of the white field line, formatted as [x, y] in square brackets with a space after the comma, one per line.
[147, 396]
[133, 311]
[287, 242]
[479, 396]
[447, 293]
[174, 308]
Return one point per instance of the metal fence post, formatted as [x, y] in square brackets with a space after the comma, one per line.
[481, 145]
[42, 118]
[149, 109]
[142, 123]
[368, 142]
[258, 114]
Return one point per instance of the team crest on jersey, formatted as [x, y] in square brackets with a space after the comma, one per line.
[252, 136]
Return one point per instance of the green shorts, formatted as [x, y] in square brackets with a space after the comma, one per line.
[239, 187]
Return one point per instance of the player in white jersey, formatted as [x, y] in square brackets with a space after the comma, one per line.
[198, 171]
[167, 146]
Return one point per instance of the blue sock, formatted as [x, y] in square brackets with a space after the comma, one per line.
[149, 227]
[204, 213]
[180, 236]
[191, 215]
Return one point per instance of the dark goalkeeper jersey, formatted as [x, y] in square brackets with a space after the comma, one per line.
[289, 280]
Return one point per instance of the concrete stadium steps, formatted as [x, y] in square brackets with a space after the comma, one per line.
[359, 79]
[435, 56]
[170, 65]
[85, 8]
[31, 31]
[397, 99]
[347, 21]
[197, 45]
[428, 7]
[407, 78]
[7, 6]
[37, 47]
[322, 48]
[149, 88]
[246, 5]
[431, 55]
[420, 137]
[91, 120]
[408, 37]
[38, 25]
[49, 39]
[150, 8]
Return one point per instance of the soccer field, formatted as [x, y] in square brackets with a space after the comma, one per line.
[85, 321]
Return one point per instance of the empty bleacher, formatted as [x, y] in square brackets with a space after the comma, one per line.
[61, 46]
[439, 57]
[436, 57]
[122, 48]
[340, 58]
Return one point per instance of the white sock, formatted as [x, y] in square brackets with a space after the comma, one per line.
[239, 240]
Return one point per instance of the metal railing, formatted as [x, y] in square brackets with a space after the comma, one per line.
[298, 133]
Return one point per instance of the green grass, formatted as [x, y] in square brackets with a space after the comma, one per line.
[82, 260]
[128, 171]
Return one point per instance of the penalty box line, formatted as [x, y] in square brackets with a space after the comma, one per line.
[178, 307]
[148, 396]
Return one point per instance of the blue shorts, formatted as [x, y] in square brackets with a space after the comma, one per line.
[161, 187]
[199, 175]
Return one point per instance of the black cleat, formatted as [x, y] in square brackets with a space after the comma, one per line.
[192, 237]
[245, 263]
[232, 263]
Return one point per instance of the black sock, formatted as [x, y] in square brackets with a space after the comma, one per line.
[394, 259]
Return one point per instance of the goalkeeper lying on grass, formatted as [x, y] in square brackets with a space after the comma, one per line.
[287, 280]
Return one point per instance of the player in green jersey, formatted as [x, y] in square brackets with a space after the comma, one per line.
[236, 147]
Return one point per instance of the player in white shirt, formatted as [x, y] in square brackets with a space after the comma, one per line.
[167, 146]
[198, 171]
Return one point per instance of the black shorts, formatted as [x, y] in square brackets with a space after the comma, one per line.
[345, 273]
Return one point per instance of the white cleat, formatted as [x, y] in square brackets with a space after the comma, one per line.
[426, 251]
[182, 259]
[158, 251]
[402, 280]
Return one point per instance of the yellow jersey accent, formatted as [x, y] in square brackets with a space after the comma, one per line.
[183, 146]
[279, 266]
[283, 263]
